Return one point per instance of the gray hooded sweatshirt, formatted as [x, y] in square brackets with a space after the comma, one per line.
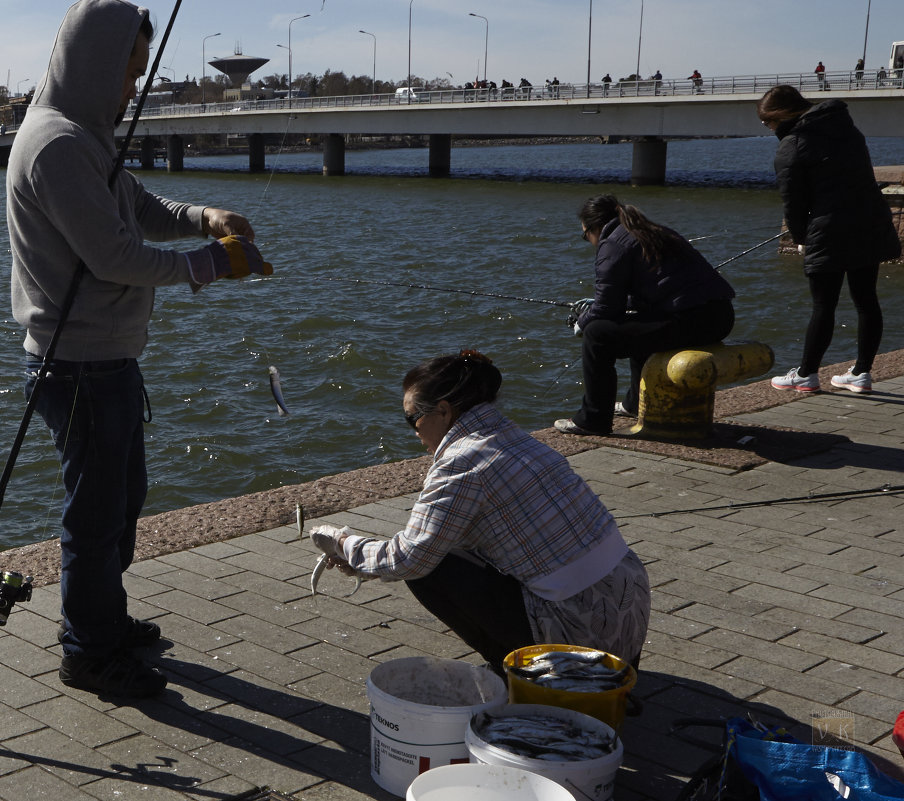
[60, 209]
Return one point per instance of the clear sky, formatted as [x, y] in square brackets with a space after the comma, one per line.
[535, 39]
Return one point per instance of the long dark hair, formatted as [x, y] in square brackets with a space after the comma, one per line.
[780, 103]
[463, 380]
[656, 241]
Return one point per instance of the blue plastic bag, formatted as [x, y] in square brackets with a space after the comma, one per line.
[786, 769]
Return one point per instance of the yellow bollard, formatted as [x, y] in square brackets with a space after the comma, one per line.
[678, 387]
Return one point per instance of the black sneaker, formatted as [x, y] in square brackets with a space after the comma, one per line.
[120, 674]
[138, 634]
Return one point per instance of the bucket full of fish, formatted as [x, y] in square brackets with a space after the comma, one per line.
[420, 707]
[579, 752]
[571, 676]
[477, 782]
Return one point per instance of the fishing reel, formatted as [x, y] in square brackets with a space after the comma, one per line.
[13, 587]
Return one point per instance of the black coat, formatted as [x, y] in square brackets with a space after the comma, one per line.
[625, 280]
[832, 202]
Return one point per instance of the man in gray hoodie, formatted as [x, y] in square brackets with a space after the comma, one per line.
[63, 212]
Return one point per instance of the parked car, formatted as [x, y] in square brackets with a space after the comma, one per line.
[417, 95]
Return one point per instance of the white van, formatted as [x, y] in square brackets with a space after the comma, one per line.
[401, 95]
[896, 59]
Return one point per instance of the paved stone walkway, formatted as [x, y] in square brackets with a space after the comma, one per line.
[789, 610]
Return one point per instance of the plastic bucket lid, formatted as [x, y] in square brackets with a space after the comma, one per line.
[586, 778]
[473, 782]
[608, 705]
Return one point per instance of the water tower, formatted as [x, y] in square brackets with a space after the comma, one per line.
[238, 67]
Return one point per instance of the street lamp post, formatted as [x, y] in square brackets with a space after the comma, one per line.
[290, 67]
[866, 32]
[172, 82]
[289, 48]
[639, 37]
[411, 3]
[373, 83]
[486, 42]
[204, 62]
[24, 80]
[589, 40]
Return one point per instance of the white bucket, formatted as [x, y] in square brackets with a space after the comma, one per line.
[420, 707]
[588, 778]
[484, 783]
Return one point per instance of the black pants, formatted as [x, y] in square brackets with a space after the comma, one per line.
[825, 289]
[636, 338]
[481, 605]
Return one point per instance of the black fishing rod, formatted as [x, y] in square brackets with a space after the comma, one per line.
[875, 492]
[750, 250]
[80, 268]
[444, 289]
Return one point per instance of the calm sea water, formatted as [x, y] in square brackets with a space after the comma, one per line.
[505, 222]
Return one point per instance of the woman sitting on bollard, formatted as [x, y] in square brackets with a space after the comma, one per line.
[506, 544]
[654, 292]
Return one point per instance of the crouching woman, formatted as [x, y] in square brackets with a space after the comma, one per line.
[506, 544]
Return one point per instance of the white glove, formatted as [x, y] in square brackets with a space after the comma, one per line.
[577, 330]
[326, 538]
[802, 249]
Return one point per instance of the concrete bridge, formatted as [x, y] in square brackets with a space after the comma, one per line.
[646, 112]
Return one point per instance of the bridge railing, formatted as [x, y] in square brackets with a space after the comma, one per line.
[728, 85]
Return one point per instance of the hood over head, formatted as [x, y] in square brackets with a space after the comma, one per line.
[87, 69]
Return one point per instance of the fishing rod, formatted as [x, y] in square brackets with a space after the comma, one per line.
[750, 250]
[80, 268]
[444, 289]
[875, 492]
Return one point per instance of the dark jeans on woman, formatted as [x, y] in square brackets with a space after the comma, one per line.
[825, 289]
[636, 338]
[95, 412]
[481, 605]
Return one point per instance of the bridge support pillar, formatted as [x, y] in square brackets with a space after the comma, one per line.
[334, 154]
[147, 153]
[440, 155]
[648, 161]
[175, 153]
[256, 155]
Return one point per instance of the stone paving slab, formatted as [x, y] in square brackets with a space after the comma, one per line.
[766, 600]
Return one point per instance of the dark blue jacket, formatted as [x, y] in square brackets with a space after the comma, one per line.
[626, 280]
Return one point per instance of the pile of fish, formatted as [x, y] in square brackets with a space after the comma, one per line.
[574, 671]
[553, 739]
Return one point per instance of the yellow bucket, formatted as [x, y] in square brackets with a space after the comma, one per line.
[608, 706]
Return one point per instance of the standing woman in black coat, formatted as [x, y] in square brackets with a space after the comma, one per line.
[838, 219]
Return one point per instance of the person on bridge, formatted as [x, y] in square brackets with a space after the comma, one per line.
[69, 214]
[858, 72]
[653, 291]
[506, 544]
[821, 75]
[839, 220]
[696, 80]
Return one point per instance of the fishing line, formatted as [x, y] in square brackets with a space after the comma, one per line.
[275, 163]
[443, 289]
[875, 492]
[79, 272]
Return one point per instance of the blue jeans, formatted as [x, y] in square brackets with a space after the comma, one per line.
[95, 412]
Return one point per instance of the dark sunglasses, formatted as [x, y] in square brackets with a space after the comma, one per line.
[584, 234]
[412, 419]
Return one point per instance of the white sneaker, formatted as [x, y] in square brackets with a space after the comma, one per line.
[621, 411]
[854, 382]
[793, 380]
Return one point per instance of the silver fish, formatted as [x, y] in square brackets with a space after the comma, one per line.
[276, 389]
[574, 671]
[541, 737]
[318, 572]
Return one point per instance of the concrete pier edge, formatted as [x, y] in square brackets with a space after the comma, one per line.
[218, 521]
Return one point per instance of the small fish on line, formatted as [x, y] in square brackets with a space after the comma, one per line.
[276, 389]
